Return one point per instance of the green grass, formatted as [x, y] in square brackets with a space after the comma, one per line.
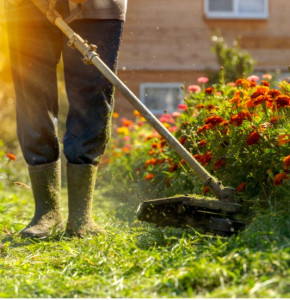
[139, 260]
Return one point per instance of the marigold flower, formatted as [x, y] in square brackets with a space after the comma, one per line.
[286, 162]
[173, 167]
[149, 176]
[236, 100]
[274, 119]
[274, 93]
[279, 178]
[115, 115]
[253, 78]
[211, 107]
[203, 128]
[202, 79]
[213, 120]
[253, 138]
[219, 164]
[201, 143]
[282, 101]
[182, 107]
[250, 103]
[152, 161]
[264, 83]
[204, 159]
[194, 88]
[182, 140]
[243, 83]
[199, 106]
[261, 90]
[11, 156]
[283, 139]
[261, 99]
[241, 187]
[209, 90]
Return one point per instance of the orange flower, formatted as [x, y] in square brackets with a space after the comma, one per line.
[261, 99]
[203, 128]
[286, 162]
[261, 90]
[152, 161]
[283, 139]
[149, 176]
[265, 83]
[253, 138]
[279, 178]
[115, 115]
[126, 122]
[241, 187]
[11, 156]
[173, 167]
[205, 158]
[243, 82]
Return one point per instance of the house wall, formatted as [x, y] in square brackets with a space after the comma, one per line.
[169, 41]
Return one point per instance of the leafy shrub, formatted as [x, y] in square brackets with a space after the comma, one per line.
[240, 132]
[236, 63]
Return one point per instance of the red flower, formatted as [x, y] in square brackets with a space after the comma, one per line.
[11, 156]
[209, 90]
[205, 189]
[241, 187]
[274, 119]
[260, 99]
[126, 122]
[182, 140]
[273, 93]
[286, 162]
[279, 178]
[149, 176]
[213, 120]
[253, 138]
[201, 143]
[204, 159]
[173, 167]
[282, 101]
[219, 164]
[265, 83]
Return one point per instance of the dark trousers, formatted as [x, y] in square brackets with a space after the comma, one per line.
[35, 50]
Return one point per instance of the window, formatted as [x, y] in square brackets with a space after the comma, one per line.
[236, 9]
[161, 96]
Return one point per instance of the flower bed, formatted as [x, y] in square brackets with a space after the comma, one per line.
[238, 131]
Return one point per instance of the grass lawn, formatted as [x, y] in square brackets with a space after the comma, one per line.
[139, 260]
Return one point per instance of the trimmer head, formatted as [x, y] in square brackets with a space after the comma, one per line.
[196, 211]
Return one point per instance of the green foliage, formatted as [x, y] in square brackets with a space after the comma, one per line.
[235, 62]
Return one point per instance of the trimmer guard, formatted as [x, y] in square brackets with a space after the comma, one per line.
[195, 211]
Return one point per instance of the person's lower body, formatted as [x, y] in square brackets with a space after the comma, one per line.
[35, 50]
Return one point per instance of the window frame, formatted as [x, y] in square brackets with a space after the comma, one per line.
[144, 85]
[236, 14]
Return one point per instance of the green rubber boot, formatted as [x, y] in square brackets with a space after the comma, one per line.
[45, 183]
[81, 179]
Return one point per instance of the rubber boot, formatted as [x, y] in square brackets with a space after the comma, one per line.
[45, 183]
[81, 179]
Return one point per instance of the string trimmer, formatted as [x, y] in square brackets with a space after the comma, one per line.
[214, 214]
